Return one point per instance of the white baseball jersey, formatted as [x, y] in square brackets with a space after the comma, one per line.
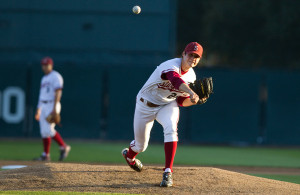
[161, 92]
[49, 84]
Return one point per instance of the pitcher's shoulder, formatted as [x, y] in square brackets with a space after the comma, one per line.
[172, 64]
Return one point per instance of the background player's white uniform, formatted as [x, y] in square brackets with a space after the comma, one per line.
[160, 92]
[49, 84]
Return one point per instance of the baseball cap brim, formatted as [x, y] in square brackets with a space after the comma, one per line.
[194, 52]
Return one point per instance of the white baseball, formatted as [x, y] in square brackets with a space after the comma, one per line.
[136, 9]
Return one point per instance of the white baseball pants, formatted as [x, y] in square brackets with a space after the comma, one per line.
[144, 116]
[47, 129]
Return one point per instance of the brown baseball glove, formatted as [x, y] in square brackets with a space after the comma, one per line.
[54, 118]
[203, 88]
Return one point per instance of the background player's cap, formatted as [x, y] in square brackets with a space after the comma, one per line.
[46, 61]
[194, 47]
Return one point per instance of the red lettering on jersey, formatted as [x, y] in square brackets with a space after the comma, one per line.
[167, 86]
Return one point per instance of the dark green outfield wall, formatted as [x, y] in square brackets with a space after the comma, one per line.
[87, 32]
[105, 54]
[99, 102]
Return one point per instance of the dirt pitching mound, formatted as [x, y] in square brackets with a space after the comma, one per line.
[105, 178]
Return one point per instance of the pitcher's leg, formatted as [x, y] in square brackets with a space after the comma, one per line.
[170, 151]
[143, 123]
[168, 117]
[142, 129]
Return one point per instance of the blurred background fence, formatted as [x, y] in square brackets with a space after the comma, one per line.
[105, 54]
[98, 102]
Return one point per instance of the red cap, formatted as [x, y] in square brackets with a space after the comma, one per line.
[195, 48]
[46, 61]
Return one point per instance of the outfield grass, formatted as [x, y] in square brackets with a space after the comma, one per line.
[102, 152]
[287, 178]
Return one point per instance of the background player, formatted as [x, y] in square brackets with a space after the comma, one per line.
[49, 103]
[159, 98]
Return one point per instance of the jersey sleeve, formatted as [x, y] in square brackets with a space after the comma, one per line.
[170, 71]
[58, 82]
[167, 67]
[174, 78]
[181, 99]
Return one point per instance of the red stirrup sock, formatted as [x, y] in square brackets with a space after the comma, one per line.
[47, 144]
[131, 154]
[59, 140]
[170, 151]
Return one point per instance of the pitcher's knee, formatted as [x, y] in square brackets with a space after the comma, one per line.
[138, 148]
[142, 148]
[170, 133]
[171, 136]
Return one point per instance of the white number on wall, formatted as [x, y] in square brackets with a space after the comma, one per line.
[6, 103]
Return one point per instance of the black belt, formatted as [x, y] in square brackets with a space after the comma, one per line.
[46, 102]
[149, 103]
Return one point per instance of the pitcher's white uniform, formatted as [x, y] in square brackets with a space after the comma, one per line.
[49, 84]
[160, 92]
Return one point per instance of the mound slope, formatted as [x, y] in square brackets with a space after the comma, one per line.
[105, 178]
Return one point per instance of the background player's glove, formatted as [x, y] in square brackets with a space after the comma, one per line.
[53, 118]
[203, 88]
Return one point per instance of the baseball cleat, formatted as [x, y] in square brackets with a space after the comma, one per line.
[136, 164]
[42, 158]
[64, 153]
[167, 180]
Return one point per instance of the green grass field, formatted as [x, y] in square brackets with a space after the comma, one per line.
[103, 152]
[287, 178]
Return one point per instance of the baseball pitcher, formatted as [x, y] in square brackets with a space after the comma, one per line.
[48, 110]
[172, 84]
